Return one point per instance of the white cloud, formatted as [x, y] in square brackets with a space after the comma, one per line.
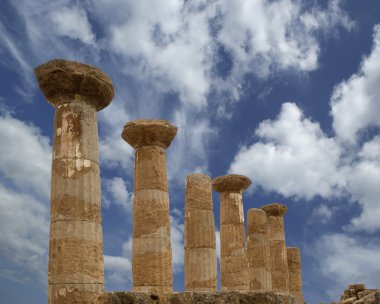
[322, 214]
[25, 161]
[118, 270]
[73, 22]
[24, 153]
[176, 234]
[293, 157]
[364, 187]
[347, 260]
[355, 103]
[116, 192]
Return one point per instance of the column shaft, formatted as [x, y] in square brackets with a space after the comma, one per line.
[76, 240]
[151, 247]
[77, 91]
[258, 253]
[277, 247]
[199, 236]
[233, 260]
[295, 273]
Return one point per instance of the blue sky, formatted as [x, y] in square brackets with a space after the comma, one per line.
[285, 92]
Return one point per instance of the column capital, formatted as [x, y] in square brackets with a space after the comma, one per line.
[231, 183]
[149, 132]
[275, 209]
[61, 81]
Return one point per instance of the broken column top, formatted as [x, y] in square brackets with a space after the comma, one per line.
[275, 209]
[62, 80]
[293, 253]
[231, 183]
[147, 132]
[198, 178]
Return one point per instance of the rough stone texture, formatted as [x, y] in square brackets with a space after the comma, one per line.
[277, 246]
[231, 297]
[76, 244]
[233, 254]
[295, 273]
[63, 80]
[359, 294]
[151, 247]
[258, 254]
[199, 236]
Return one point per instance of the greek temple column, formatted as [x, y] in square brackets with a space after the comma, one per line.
[77, 91]
[233, 260]
[258, 254]
[277, 247]
[199, 243]
[151, 246]
[295, 273]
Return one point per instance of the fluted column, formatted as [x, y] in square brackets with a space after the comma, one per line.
[233, 255]
[77, 91]
[258, 254]
[199, 240]
[151, 246]
[277, 247]
[295, 273]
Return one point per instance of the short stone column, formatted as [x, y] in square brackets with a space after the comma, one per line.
[277, 247]
[199, 238]
[233, 254]
[77, 91]
[258, 253]
[295, 273]
[151, 246]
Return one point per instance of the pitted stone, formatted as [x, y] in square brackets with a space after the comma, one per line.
[149, 132]
[275, 209]
[63, 80]
[231, 183]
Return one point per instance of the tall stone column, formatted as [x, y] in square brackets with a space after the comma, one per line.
[258, 253]
[151, 246]
[77, 91]
[199, 243]
[233, 254]
[277, 246]
[295, 273]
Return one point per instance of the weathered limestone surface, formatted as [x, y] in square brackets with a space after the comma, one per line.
[76, 91]
[151, 247]
[359, 294]
[199, 236]
[258, 253]
[231, 297]
[233, 260]
[295, 273]
[277, 246]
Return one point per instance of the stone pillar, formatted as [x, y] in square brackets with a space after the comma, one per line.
[277, 247]
[295, 273]
[151, 246]
[258, 253]
[199, 239]
[77, 91]
[233, 259]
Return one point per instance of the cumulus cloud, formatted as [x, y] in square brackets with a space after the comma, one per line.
[116, 192]
[344, 260]
[73, 22]
[25, 158]
[355, 102]
[292, 157]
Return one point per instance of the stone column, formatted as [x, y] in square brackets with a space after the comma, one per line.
[258, 253]
[277, 247]
[233, 259]
[151, 246]
[295, 273]
[199, 239]
[77, 91]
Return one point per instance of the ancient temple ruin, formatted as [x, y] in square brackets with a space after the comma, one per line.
[258, 268]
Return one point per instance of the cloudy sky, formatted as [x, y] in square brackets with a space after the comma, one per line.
[286, 92]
